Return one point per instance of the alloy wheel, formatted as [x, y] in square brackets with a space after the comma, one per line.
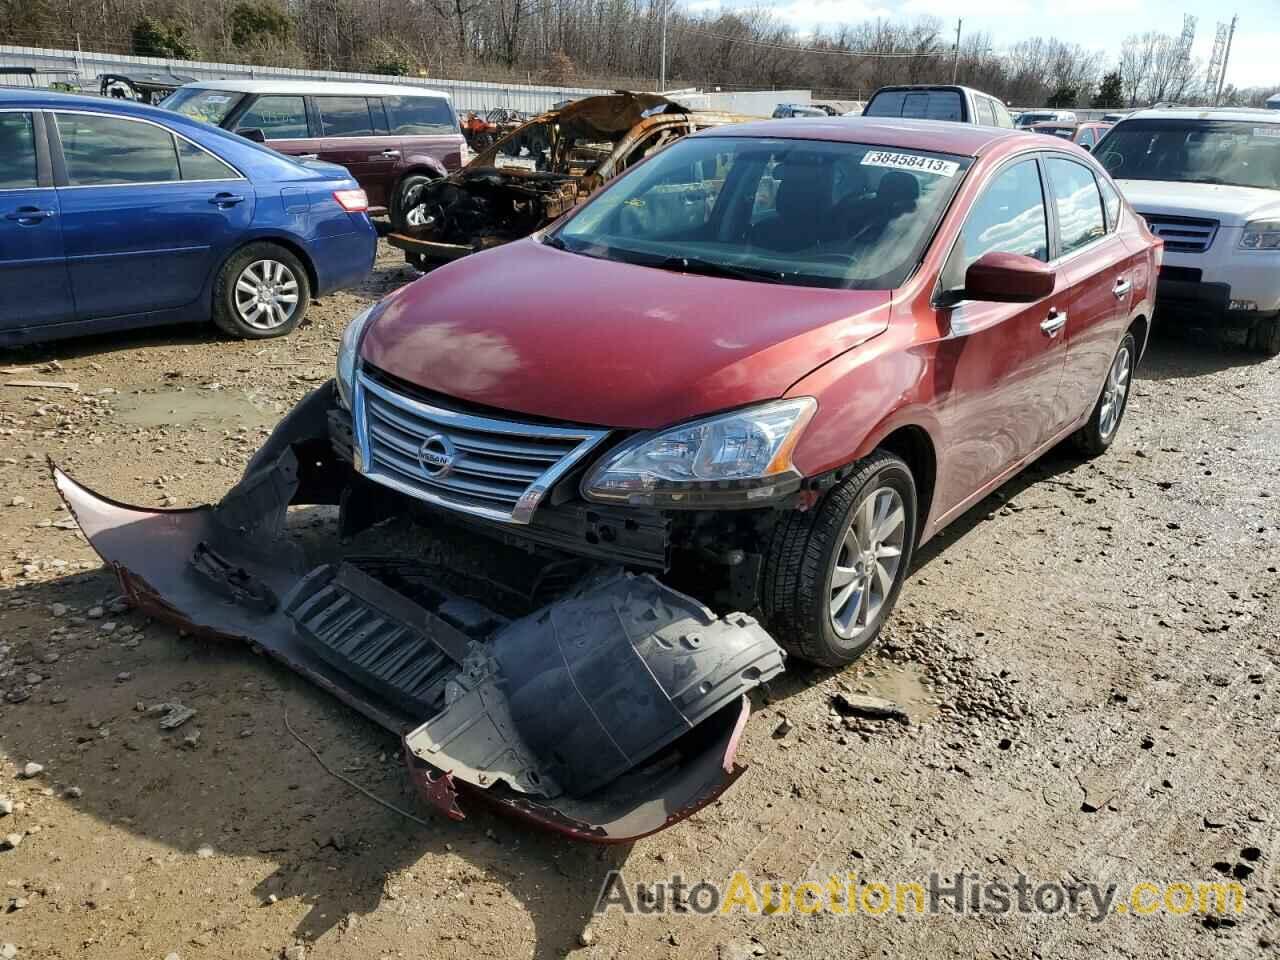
[1114, 392]
[869, 562]
[266, 294]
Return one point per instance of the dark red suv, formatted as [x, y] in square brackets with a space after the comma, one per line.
[732, 394]
[390, 137]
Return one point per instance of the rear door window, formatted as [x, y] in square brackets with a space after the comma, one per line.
[986, 114]
[1009, 217]
[419, 116]
[17, 152]
[344, 117]
[1078, 203]
[278, 117]
[1110, 202]
[196, 163]
[112, 150]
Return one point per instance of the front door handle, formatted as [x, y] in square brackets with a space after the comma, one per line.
[30, 216]
[226, 199]
[1052, 324]
[1122, 288]
[391, 154]
[308, 156]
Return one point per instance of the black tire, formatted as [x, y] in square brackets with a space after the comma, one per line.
[796, 581]
[1265, 337]
[1093, 439]
[400, 200]
[226, 312]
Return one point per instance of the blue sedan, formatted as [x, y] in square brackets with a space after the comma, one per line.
[115, 215]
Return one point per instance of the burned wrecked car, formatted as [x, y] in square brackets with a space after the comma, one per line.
[570, 537]
[537, 172]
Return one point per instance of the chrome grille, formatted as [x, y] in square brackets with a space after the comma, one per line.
[1182, 234]
[495, 468]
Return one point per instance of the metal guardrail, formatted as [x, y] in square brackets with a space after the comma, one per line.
[63, 65]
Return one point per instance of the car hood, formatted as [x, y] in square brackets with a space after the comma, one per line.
[1230, 206]
[535, 330]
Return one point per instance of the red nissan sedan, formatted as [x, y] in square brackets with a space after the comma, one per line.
[712, 416]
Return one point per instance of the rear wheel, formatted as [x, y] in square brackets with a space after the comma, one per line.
[1265, 337]
[1096, 436]
[832, 574]
[405, 214]
[262, 291]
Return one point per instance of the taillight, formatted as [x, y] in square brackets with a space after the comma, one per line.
[352, 201]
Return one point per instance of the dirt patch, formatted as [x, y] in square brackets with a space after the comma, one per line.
[1087, 660]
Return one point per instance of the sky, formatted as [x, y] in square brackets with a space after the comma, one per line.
[1097, 24]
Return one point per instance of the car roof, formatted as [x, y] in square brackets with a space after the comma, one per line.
[338, 87]
[1247, 114]
[53, 100]
[945, 136]
[933, 86]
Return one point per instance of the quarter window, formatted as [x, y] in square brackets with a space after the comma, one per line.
[198, 164]
[17, 152]
[985, 112]
[279, 118]
[1009, 217]
[345, 117]
[1079, 204]
[1110, 203]
[420, 116]
[111, 150]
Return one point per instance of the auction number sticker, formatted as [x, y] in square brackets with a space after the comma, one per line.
[911, 161]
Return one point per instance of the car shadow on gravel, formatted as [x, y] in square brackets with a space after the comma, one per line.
[1176, 353]
[244, 812]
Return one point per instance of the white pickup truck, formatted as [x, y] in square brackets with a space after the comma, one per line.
[1208, 183]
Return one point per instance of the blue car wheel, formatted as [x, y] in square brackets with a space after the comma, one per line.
[262, 291]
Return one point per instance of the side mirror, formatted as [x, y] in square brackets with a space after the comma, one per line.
[252, 133]
[1008, 278]
[1085, 147]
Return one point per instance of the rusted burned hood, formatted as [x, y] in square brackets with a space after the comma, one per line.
[608, 713]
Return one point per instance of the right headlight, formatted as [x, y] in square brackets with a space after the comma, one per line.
[349, 353]
[1261, 235]
[739, 458]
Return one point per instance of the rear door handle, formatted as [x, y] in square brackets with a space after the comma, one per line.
[308, 156]
[226, 199]
[1052, 324]
[29, 216]
[1122, 288]
[391, 154]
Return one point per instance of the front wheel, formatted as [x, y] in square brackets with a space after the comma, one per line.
[1096, 436]
[833, 574]
[261, 291]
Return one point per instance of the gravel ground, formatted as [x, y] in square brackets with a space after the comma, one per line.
[1087, 661]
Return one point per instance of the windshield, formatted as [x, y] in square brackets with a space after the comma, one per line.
[802, 212]
[1238, 153]
[211, 106]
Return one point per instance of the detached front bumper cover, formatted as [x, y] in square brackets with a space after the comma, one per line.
[608, 714]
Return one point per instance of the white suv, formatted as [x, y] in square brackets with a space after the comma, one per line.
[1208, 183]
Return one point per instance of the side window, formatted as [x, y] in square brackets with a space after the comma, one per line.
[344, 117]
[279, 118]
[420, 116]
[1110, 203]
[112, 150]
[1002, 115]
[1009, 217]
[196, 163]
[1079, 204]
[17, 152]
[985, 113]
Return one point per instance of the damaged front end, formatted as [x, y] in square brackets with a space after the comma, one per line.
[590, 700]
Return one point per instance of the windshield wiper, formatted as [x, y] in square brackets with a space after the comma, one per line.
[709, 268]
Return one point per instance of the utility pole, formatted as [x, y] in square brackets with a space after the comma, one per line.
[1222, 77]
[662, 69]
[955, 60]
